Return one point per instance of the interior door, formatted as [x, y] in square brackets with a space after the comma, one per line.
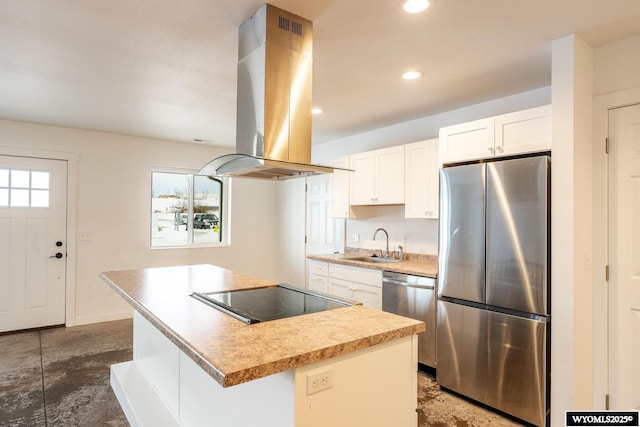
[32, 242]
[624, 257]
[319, 224]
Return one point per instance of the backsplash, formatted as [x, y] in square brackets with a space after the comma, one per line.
[417, 236]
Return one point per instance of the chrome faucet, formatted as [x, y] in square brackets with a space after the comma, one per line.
[387, 234]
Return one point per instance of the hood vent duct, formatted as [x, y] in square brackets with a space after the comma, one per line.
[273, 129]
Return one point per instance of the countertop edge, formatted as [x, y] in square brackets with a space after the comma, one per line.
[419, 268]
[326, 353]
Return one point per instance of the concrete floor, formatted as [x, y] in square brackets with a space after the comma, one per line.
[60, 377]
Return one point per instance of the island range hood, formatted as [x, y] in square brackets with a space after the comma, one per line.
[273, 129]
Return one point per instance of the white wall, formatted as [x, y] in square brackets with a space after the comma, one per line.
[113, 204]
[617, 66]
[571, 241]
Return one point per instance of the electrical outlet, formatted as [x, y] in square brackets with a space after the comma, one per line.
[84, 235]
[355, 237]
[320, 381]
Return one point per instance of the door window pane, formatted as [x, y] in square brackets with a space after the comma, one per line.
[4, 177]
[4, 197]
[40, 180]
[19, 198]
[19, 179]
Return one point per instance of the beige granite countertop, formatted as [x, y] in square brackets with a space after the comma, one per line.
[420, 265]
[233, 352]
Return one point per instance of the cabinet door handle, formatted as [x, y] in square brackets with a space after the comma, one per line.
[499, 149]
[491, 150]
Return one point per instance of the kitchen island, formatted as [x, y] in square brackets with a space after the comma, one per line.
[195, 365]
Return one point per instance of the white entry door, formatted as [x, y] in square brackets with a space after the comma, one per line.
[624, 258]
[33, 200]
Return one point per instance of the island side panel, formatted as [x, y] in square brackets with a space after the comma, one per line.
[176, 386]
[158, 359]
[264, 402]
[376, 387]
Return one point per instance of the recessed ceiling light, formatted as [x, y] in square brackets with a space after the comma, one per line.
[316, 110]
[415, 6]
[412, 75]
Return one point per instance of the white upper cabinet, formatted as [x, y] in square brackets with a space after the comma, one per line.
[525, 131]
[521, 132]
[377, 177]
[340, 188]
[467, 141]
[362, 180]
[421, 179]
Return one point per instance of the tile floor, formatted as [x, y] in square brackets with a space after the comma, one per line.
[60, 377]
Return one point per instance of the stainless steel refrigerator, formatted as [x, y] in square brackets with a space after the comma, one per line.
[493, 338]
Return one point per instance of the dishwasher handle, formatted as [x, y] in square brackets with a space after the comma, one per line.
[409, 285]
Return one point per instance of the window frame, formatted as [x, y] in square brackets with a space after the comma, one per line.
[224, 217]
[29, 188]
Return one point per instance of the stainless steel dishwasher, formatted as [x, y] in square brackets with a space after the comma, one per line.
[414, 297]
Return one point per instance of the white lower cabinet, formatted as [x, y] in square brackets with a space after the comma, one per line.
[318, 283]
[359, 284]
[369, 296]
[344, 281]
[318, 275]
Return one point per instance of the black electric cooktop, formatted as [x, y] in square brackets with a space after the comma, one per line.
[271, 303]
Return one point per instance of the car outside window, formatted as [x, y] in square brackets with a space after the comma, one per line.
[186, 210]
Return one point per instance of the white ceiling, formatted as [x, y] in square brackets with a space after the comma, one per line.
[167, 69]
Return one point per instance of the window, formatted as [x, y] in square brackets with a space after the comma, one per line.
[24, 188]
[186, 210]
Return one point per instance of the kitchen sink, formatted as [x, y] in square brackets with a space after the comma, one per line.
[373, 259]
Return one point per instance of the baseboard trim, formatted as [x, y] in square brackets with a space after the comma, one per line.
[87, 320]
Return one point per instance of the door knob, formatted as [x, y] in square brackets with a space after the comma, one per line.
[58, 255]
[58, 243]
